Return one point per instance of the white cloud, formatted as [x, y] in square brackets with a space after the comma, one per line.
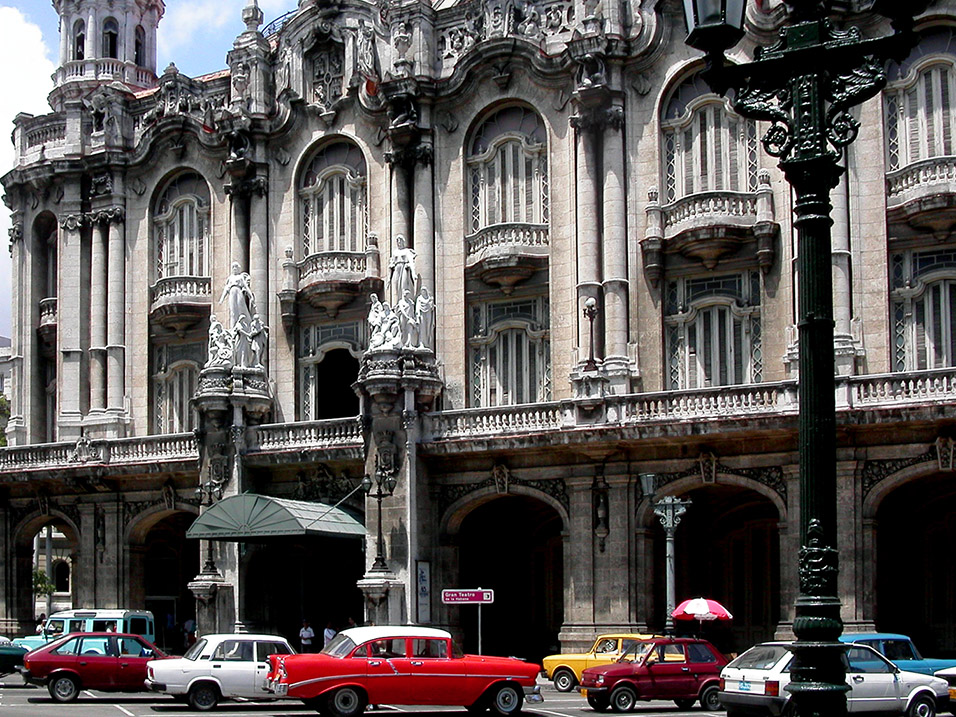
[25, 69]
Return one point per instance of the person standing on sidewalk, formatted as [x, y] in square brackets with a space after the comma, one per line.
[306, 634]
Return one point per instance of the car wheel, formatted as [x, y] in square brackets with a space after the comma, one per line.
[623, 699]
[203, 697]
[507, 700]
[564, 680]
[709, 699]
[685, 703]
[346, 702]
[64, 688]
[598, 703]
[922, 706]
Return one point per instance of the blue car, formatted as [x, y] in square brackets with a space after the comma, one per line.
[900, 650]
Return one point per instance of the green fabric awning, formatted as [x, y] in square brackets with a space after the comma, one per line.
[250, 517]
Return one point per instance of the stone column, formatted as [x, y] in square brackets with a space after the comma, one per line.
[259, 245]
[21, 292]
[98, 293]
[588, 249]
[239, 240]
[615, 251]
[844, 347]
[399, 200]
[69, 328]
[116, 314]
[424, 224]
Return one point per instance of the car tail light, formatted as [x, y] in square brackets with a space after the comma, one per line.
[722, 684]
[772, 688]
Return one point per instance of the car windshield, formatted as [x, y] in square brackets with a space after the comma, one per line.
[340, 646]
[761, 657]
[635, 651]
[195, 651]
[900, 650]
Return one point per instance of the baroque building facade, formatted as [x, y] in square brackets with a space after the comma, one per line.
[501, 259]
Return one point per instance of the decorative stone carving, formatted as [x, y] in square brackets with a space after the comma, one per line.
[502, 477]
[85, 452]
[402, 273]
[555, 488]
[770, 476]
[875, 471]
[367, 58]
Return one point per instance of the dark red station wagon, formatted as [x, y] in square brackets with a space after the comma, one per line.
[107, 661]
[668, 668]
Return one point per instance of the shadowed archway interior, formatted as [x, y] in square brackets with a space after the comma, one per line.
[512, 545]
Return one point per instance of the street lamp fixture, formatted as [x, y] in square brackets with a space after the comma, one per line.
[590, 311]
[805, 86]
[384, 485]
[669, 510]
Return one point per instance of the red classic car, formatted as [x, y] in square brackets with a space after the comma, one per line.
[404, 665]
[666, 668]
[108, 661]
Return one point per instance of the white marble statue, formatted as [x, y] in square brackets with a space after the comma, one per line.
[408, 320]
[220, 345]
[402, 274]
[425, 312]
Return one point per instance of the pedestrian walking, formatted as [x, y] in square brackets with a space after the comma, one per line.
[306, 635]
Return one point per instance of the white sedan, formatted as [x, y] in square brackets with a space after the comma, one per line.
[218, 667]
[754, 682]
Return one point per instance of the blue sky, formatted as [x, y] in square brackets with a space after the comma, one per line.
[195, 34]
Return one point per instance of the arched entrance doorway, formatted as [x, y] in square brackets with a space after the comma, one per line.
[169, 563]
[512, 544]
[726, 548]
[916, 590]
[334, 377]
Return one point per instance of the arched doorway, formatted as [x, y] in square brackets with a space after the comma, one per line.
[916, 589]
[726, 548]
[43, 543]
[334, 377]
[524, 566]
[169, 563]
[290, 579]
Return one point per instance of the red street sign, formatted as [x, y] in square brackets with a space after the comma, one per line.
[467, 596]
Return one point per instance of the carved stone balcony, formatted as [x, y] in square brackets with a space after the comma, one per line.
[46, 328]
[331, 279]
[105, 68]
[923, 195]
[179, 302]
[708, 226]
[505, 254]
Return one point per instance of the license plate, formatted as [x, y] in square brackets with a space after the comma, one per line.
[952, 693]
[280, 688]
[743, 686]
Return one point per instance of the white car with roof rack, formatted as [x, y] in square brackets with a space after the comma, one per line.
[755, 684]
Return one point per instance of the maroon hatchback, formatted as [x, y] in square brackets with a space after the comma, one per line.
[667, 668]
[107, 661]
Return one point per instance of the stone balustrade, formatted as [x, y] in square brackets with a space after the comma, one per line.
[925, 178]
[44, 130]
[330, 433]
[104, 68]
[332, 266]
[173, 287]
[709, 209]
[857, 393]
[503, 239]
[48, 311]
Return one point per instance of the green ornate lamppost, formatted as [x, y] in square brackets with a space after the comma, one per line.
[805, 86]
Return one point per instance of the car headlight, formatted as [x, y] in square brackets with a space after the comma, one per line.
[599, 680]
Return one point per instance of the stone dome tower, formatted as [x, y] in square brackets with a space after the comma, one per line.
[104, 41]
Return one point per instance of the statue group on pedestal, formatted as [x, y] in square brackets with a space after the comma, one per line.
[244, 343]
[409, 321]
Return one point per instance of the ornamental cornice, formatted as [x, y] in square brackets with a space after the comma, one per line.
[247, 187]
[109, 215]
[502, 480]
[73, 222]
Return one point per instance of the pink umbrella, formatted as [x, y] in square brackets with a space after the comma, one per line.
[701, 609]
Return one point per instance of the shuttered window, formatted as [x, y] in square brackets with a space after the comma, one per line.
[181, 228]
[173, 393]
[920, 122]
[334, 212]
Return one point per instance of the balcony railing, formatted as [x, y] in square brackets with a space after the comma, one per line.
[48, 311]
[175, 287]
[332, 266]
[711, 405]
[925, 178]
[708, 209]
[105, 68]
[503, 239]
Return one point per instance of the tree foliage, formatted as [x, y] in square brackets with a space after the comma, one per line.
[42, 585]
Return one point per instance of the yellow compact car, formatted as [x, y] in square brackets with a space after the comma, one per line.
[565, 670]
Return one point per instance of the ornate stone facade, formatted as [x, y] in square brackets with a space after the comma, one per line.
[424, 198]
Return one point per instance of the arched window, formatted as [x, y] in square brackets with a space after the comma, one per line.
[707, 147]
[924, 308]
[79, 40]
[713, 331]
[61, 576]
[510, 353]
[181, 226]
[173, 390]
[328, 366]
[110, 38]
[508, 170]
[333, 193]
[139, 50]
[918, 101]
